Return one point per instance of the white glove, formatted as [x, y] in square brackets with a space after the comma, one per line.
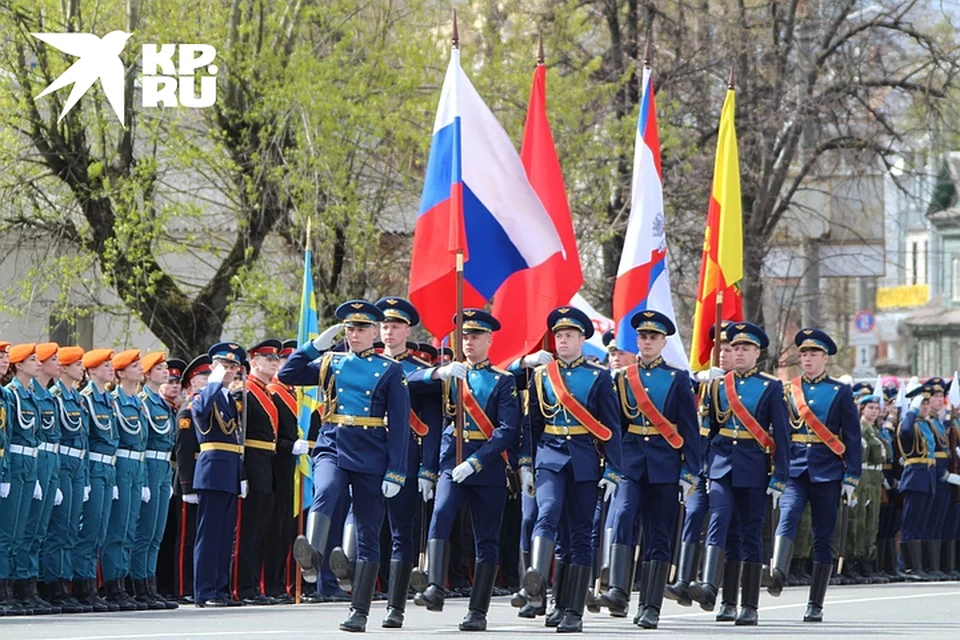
[609, 488]
[171, 493]
[389, 489]
[426, 488]
[4, 489]
[244, 488]
[145, 495]
[300, 447]
[527, 482]
[191, 498]
[848, 491]
[452, 370]
[686, 487]
[57, 498]
[37, 491]
[957, 451]
[916, 401]
[325, 340]
[116, 493]
[86, 493]
[217, 373]
[886, 484]
[462, 471]
[716, 372]
[953, 478]
[536, 359]
[775, 495]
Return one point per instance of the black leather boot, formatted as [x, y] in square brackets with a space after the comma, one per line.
[535, 578]
[780, 564]
[397, 590]
[365, 579]
[686, 568]
[433, 596]
[705, 590]
[483, 578]
[519, 599]
[342, 558]
[27, 599]
[60, 597]
[935, 548]
[750, 594]
[578, 580]
[8, 601]
[141, 593]
[654, 600]
[122, 583]
[950, 559]
[642, 592]
[111, 606]
[558, 594]
[308, 549]
[170, 605]
[617, 597]
[818, 591]
[88, 597]
[912, 572]
[728, 595]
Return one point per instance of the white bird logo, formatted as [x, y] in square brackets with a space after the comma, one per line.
[99, 59]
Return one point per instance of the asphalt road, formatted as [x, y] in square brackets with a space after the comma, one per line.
[878, 611]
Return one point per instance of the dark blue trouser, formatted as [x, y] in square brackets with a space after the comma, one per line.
[330, 483]
[937, 513]
[696, 504]
[486, 504]
[749, 505]
[528, 518]
[402, 512]
[559, 495]
[216, 521]
[916, 506]
[56, 557]
[824, 499]
[657, 504]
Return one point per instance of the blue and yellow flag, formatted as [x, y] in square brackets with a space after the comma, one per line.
[307, 397]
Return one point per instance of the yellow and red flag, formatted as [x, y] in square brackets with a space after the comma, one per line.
[721, 268]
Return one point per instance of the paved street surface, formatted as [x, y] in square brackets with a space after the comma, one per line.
[880, 611]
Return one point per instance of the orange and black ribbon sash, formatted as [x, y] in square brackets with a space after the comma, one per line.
[666, 428]
[745, 417]
[821, 430]
[571, 404]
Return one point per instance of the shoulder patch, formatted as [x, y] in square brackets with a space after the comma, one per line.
[593, 365]
[769, 376]
[185, 423]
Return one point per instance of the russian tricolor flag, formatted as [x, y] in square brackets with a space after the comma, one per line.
[476, 197]
[643, 281]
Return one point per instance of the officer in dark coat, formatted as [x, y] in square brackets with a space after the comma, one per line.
[356, 450]
[918, 483]
[218, 476]
[825, 460]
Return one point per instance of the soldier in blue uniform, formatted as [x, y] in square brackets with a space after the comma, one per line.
[356, 449]
[575, 428]
[218, 476]
[56, 560]
[825, 461]
[942, 500]
[403, 510]
[159, 419]
[490, 441]
[661, 450]
[918, 483]
[748, 458]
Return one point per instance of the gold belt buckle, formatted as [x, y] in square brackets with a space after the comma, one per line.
[349, 420]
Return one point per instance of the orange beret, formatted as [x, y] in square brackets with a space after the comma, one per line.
[47, 350]
[20, 352]
[95, 358]
[125, 358]
[69, 355]
[151, 360]
[4, 346]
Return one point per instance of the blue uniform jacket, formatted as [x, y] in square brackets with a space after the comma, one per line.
[361, 385]
[832, 402]
[942, 454]
[652, 456]
[423, 457]
[101, 420]
[160, 421]
[23, 417]
[216, 420]
[49, 419]
[589, 458]
[742, 456]
[917, 445]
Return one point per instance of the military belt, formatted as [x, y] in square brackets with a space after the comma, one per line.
[736, 434]
[643, 430]
[872, 467]
[102, 458]
[572, 430]
[137, 456]
[72, 452]
[473, 434]
[926, 461]
[704, 432]
[221, 446]
[887, 466]
[941, 454]
[30, 452]
[355, 421]
[806, 438]
[49, 447]
[156, 455]
[263, 445]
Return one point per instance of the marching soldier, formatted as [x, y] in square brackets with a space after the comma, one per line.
[56, 560]
[575, 428]
[403, 510]
[186, 450]
[260, 444]
[159, 421]
[824, 463]
[748, 459]
[131, 491]
[355, 450]
[661, 449]
[218, 476]
[491, 436]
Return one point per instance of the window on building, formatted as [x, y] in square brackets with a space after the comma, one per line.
[74, 331]
[916, 263]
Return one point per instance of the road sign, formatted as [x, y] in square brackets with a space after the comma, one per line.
[863, 329]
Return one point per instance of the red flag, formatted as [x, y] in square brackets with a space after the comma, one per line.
[525, 298]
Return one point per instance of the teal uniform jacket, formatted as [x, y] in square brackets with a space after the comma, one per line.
[49, 431]
[103, 432]
[159, 417]
[24, 416]
[73, 419]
